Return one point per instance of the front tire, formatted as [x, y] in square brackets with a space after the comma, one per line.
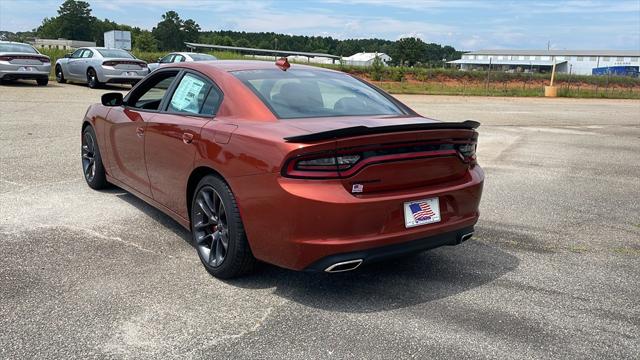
[60, 75]
[92, 79]
[218, 232]
[92, 166]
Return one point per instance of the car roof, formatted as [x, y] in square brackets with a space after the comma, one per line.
[237, 65]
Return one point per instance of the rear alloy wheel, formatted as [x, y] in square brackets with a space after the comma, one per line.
[218, 233]
[92, 79]
[60, 75]
[92, 166]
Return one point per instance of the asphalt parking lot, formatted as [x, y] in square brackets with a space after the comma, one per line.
[553, 271]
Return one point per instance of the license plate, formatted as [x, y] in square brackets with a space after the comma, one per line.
[421, 212]
[26, 68]
[129, 73]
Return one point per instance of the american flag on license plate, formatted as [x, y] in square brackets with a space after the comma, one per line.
[421, 211]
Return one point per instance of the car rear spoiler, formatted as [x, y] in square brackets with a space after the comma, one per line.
[365, 130]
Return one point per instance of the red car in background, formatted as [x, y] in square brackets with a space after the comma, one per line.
[297, 166]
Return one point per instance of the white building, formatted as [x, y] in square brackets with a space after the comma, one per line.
[575, 61]
[365, 59]
[63, 44]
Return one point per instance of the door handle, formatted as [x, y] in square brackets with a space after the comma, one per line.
[140, 131]
[187, 138]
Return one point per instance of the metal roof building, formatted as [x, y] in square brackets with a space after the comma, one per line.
[365, 59]
[575, 61]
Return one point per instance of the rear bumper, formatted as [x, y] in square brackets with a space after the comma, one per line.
[23, 75]
[118, 76]
[372, 255]
[296, 224]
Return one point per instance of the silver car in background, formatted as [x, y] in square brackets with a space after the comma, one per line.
[97, 66]
[23, 61]
[177, 57]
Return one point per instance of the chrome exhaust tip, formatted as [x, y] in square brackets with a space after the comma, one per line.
[344, 266]
[466, 237]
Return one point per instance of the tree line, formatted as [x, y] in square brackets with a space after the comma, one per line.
[75, 21]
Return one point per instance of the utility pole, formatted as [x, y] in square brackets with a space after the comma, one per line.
[548, 45]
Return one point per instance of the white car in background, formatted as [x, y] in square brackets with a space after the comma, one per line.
[22, 61]
[177, 57]
[96, 66]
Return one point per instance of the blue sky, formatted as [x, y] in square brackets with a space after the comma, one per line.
[465, 24]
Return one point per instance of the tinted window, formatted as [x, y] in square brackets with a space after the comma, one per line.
[300, 93]
[194, 95]
[18, 48]
[77, 53]
[115, 53]
[150, 93]
[167, 59]
[202, 57]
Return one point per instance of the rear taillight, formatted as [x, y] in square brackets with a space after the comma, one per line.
[45, 60]
[468, 152]
[320, 166]
[346, 162]
[110, 63]
[6, 58]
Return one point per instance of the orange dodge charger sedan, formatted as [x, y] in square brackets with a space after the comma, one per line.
[297, 166]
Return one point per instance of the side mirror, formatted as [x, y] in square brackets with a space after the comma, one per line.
[67, 55]
[112, 99]
[159, 59]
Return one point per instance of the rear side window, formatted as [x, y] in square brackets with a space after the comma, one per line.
[303, 93]
[195, 95]
[115, 53]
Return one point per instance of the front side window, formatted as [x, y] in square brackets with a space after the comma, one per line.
[304, 93]
[194, 95]
[115, 53]
[167, 59]
[17, 48]
[76, 54]
[149, 95]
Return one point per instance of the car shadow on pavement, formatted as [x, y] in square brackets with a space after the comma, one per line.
[382, 286]
[392, 284]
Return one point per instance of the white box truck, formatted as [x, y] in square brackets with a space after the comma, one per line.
[117, 39]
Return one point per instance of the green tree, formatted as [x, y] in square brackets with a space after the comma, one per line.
[74, 21]
[409, 51]
[376, 69]
[168, 32]
[144, 41]
[191, 30]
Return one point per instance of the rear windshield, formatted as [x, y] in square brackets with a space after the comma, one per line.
[202, 57]
[17, 48]
[115, 53]
[303, 93]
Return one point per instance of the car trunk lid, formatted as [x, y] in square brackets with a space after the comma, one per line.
[125, 64]
[24, 59]
[388, 154]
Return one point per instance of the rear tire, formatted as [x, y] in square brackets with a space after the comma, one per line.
[92, 166]
[217, 230]
[60, 75]
[42, 82]
[92, 79]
